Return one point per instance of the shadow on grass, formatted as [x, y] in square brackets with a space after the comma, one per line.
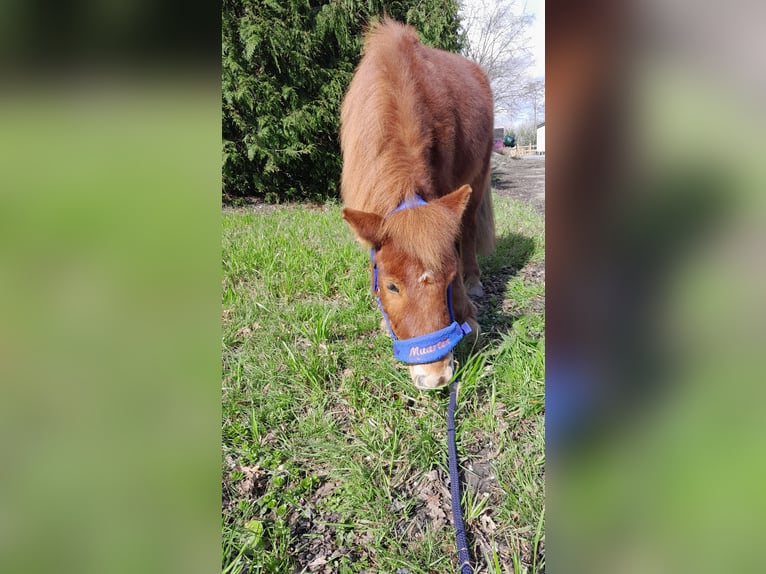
[513, 251]
[497, 314]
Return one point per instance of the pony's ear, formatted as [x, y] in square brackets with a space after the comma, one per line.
[365, 225]
[457, 200]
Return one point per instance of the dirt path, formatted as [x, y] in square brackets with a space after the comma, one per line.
[520, 178]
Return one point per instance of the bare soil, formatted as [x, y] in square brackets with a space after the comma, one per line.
[521, 178]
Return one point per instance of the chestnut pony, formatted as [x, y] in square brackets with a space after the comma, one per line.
[416, 137]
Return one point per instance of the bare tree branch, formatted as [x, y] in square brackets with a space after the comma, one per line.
[496, 37]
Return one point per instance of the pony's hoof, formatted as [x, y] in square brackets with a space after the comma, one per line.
[475, 289]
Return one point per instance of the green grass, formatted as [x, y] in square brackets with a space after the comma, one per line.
[332, 460]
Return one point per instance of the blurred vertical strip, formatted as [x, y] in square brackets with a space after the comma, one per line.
[656, 229]
[110, 156]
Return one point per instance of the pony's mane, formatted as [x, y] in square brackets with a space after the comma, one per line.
[383, 122]
[425, 233]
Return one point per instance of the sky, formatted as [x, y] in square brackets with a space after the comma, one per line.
[536, 34]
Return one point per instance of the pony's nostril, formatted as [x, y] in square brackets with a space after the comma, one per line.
[430, 381]
[423, 382]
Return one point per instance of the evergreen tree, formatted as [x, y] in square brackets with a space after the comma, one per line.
[286, 66]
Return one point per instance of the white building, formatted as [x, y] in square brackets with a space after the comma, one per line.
[541, 138]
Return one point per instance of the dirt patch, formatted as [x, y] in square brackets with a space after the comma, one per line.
[252, 483]
[532, 274]
[420, 505]
[322, 540]
[521, 178]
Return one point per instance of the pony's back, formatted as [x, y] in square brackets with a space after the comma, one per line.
[414, 120]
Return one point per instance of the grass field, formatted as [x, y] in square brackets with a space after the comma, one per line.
[332, 460]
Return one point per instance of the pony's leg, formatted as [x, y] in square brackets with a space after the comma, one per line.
[478, 231]
[465, 310]
[471, 273]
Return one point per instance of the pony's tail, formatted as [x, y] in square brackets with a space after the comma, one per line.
[485, 220]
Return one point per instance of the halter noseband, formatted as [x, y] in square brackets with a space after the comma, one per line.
[426, 348]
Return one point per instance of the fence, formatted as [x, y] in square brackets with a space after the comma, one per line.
[530, 149]
[519, 150]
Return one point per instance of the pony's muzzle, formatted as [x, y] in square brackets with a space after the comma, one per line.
[434, 375]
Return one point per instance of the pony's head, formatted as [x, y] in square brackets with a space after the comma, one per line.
[415, 261]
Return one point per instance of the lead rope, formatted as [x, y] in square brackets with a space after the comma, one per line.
[454, 479]
[454, 484]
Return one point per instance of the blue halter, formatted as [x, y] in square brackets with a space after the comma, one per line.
[432, 346]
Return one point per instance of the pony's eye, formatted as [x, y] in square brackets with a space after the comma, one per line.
[393, 288]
